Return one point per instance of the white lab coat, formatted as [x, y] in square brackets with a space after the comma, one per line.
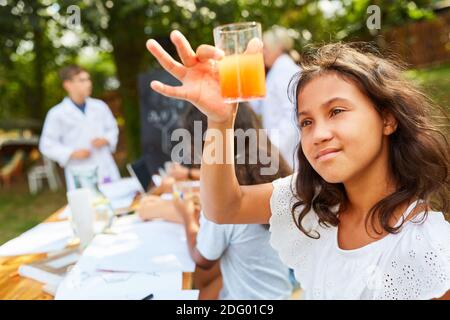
[67, 129]
[277, 111]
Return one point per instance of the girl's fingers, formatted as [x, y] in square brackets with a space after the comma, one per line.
[184, 49]
[169, 91]
[206, 52]
[165, 60]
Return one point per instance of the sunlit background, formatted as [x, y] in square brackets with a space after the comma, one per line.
[38, 37]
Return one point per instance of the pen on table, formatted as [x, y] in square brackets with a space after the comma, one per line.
[149, 297]
[125, 213]
[178, 195]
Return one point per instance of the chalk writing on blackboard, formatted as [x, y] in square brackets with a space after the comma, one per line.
[159, 114]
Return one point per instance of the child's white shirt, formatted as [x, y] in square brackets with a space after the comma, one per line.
[250, 268]
[412, 264]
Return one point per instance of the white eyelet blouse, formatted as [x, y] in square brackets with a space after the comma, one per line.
[412, 264]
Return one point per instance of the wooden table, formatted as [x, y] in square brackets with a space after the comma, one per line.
[15, 287]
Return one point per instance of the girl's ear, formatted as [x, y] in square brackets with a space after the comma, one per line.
[389, 123]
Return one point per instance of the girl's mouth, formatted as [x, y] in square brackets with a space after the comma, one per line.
[327, 154]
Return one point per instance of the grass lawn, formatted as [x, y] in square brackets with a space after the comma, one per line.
[20, 211]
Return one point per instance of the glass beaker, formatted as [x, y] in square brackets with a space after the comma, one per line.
[241, 71]
[87, 177]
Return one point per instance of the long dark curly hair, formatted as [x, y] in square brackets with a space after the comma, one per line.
[418, 150]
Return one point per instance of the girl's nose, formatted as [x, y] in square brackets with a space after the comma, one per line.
[321, 133]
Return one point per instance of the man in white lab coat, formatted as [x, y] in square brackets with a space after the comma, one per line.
[276, 110]
[80, 131]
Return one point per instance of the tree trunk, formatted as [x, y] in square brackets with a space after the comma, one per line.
[37, 106]
[128, 55]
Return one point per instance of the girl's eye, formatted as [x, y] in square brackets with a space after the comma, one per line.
[305, 123]
[336, 111]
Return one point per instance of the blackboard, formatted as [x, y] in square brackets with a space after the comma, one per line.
[160, 115]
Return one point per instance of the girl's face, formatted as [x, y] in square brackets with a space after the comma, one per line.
[342, 132]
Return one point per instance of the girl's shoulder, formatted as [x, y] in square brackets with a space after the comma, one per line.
[426, 231]
[285, 237]
[283, 192]
[282, 201]
[416, 262]
[281, 204]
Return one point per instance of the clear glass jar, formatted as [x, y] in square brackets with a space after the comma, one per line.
[87, 177]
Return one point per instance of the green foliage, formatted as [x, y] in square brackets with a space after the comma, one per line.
[32, 51]
[352, 22]
[32, 46]
[436, 81]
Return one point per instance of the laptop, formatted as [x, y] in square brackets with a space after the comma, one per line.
[138, 169]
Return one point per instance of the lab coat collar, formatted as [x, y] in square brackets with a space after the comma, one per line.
[73, 109]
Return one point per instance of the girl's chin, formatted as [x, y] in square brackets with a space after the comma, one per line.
[333, 180]
[332, 177]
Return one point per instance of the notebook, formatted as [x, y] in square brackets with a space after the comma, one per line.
[52, 270]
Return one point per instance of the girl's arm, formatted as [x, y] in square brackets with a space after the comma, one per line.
[190, 217]
[223, 200]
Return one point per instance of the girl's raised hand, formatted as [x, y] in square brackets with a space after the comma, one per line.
[198, 74]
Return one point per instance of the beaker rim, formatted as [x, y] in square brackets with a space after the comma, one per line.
[237, 27]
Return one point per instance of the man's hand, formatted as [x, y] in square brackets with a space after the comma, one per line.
[99, 142]
[80, 154]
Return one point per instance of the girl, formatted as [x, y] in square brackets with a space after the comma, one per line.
[361, 219]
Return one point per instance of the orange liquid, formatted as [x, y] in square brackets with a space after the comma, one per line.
[242, 77]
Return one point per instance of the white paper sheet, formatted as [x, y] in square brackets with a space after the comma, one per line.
[145, 247]
[125, 221]
[65, 214]
[121, 188]
[135, 246]
[177, 295]
[121, 193]
[39, 275]
[44, 238]
[120, 203]
[120, 286]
